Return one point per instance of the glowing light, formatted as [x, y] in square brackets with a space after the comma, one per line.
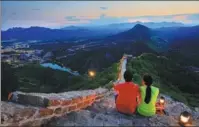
[185, 118]
[91, 73]
[162, 100]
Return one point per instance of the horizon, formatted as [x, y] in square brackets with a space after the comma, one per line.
[53, 14]
[136, 23]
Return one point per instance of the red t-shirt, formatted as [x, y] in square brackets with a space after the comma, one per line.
[127, 97]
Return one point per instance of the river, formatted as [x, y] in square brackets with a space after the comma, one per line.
[57, 67]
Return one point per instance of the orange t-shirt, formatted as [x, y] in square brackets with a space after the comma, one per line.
[126, 101]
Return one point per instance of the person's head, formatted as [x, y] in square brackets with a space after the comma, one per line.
[128, 76]
[147, 80]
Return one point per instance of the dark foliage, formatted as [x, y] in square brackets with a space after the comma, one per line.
[9, 81]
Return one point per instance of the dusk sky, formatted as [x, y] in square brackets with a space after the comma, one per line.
[56, 14]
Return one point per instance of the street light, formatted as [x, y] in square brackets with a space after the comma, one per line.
[185, 119]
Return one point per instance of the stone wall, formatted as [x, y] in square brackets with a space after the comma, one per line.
[35, 109]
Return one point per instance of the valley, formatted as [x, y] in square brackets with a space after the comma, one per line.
[71, 59]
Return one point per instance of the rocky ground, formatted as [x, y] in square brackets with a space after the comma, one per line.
[103, 113]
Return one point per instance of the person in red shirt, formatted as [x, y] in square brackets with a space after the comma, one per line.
[128, 95]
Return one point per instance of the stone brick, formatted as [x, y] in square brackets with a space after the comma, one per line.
[98, 98]
[72, 108]
[90, 97]
[87, 102]
[45, 112]
[65, 109]
[54, 103]
[85, 106]
[31, 100]
[13, 125]
[26, 113]
[92, 100]
[66, 102]
[80, 105]
[76, 100]
[58, 110]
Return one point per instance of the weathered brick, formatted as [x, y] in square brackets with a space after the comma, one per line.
[85, 106]
[87, 97]
[76, 100]
[33, 100]
[26, 113]
[72, 108]
[91, 96]
[54, 103]
[87, 102]
[80, 105]
[83, 98]
[58, 110]
[92, 100]
[45, 112]
[13, 125]
[65, 109]
[101, 95]
[66, 102]
[98, 98]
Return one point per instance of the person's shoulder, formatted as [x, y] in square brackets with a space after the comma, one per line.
[156, 88]
[142, 87]
[121, 83]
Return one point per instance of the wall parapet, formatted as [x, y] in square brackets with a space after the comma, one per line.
[37, 108]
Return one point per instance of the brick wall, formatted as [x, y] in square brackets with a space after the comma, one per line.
[35, 109]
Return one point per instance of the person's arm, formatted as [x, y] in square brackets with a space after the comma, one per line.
[116, 88]
[138, 96]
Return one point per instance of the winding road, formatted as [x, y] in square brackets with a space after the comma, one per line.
[122, 68]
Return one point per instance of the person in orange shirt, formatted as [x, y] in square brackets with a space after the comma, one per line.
[128, 95]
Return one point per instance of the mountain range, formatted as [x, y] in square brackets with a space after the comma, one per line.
[76, 32]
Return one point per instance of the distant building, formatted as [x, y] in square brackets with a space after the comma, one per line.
[38, 52]
[20, 45]
[8, 49]
[24, 56]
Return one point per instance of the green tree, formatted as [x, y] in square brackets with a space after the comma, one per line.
[9, 81]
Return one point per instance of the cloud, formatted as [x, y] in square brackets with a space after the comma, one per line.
[103, 8]
[139, 19]
[181, 17]
[101, 19]
[72, 18]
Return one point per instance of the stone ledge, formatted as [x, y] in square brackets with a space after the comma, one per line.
[36, 108]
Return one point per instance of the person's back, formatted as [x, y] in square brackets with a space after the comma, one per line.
[126, 100]
[149, 96]
[127, 94]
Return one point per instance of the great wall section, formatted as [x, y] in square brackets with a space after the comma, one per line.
[82, 108]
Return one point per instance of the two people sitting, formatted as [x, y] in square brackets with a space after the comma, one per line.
[131, 98]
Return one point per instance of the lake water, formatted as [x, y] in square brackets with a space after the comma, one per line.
[57, 67]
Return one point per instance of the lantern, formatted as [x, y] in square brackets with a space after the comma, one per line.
[185, 119]
[162, 100]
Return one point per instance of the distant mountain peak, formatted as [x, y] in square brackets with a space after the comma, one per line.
[139, 26]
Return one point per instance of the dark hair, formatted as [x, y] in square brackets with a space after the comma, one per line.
[128, 76]
[148, 81]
